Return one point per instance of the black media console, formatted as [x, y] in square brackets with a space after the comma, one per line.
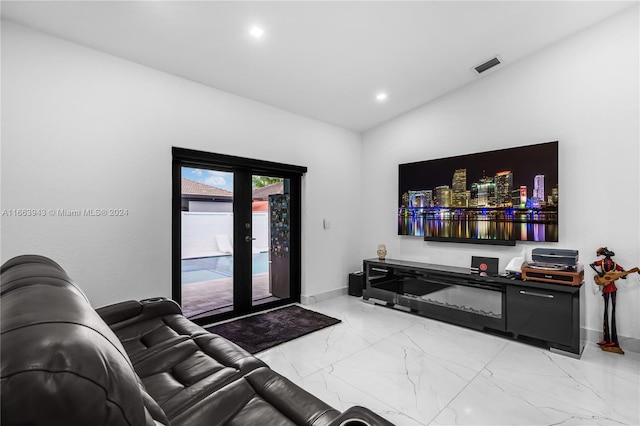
[544, 314]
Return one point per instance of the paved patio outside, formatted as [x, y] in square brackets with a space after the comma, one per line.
[204, 298]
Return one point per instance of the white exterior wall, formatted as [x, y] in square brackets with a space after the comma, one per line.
[209, 206]
[199, 231]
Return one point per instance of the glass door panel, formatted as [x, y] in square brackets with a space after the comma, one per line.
[271, 214]
[207, 219]
[236, 235]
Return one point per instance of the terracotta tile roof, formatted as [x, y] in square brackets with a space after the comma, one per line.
[264, 192]
[191, 187]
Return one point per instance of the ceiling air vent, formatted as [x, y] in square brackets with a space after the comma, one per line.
[487, 65]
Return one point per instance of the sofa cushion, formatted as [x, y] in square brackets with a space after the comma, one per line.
[61, 364]
[179, 362]
[262, 397]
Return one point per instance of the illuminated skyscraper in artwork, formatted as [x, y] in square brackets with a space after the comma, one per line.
[538, 187]
[443, 196]
[521, 200]
[504, 184]
[459, 188]
[421, 199]
[484, 192]
[554, 196]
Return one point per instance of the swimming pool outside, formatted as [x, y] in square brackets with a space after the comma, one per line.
[219, 267]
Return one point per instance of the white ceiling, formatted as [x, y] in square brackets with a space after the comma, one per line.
[326, 59]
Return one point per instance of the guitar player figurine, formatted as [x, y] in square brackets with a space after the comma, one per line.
[609, 272]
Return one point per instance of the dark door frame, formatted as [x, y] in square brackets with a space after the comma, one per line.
[242, 168]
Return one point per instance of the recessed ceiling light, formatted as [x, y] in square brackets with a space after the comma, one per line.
[257, 32]
[381, 97]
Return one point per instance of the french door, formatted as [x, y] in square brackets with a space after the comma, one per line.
[236, 234]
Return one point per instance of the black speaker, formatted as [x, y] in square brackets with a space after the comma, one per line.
[356, 283]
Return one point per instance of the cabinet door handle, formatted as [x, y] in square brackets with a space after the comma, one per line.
[527, 293]
[380, 270]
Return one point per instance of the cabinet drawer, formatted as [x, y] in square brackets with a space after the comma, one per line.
[541, 314]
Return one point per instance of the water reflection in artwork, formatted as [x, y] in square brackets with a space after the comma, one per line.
[481, 225]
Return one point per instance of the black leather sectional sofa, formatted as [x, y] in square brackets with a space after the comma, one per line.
[132, 363]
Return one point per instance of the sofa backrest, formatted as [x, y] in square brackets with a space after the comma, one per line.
[60, 363]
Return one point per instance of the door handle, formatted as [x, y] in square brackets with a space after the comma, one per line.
[248, 239]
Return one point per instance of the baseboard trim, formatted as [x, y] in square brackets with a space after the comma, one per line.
[321, 297]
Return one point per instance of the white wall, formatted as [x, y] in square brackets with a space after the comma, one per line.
[582, 92]
[82, 129]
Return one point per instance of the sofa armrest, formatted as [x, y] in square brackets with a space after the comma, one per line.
[118, 312]
[160, 306]
[155, 307]
[359, 416]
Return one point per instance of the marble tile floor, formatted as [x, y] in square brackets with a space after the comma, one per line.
[416, 371]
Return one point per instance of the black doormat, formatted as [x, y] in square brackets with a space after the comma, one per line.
[262, 331]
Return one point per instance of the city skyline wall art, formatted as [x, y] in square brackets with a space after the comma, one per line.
[499, 196]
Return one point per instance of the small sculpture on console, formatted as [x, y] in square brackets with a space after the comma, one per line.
[382, 251]
[607, 272]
